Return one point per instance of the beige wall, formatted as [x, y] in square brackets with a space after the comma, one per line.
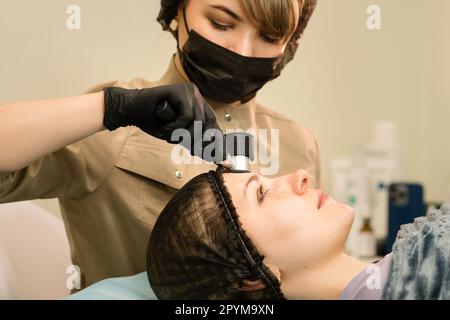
[346, 77]
[343, 79]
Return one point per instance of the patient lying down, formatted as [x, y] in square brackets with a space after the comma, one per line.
[244, 236]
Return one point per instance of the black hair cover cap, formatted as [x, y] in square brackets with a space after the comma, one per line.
[198, 248]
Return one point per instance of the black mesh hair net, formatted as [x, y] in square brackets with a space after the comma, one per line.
[169, 9]
[199, 250]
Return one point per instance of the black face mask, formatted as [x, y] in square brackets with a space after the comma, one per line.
[223, 75]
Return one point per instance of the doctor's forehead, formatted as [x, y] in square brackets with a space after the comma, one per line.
[230, 4]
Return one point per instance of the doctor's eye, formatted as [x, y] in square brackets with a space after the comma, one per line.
[219, 26]
[270, 39]
[261, 193]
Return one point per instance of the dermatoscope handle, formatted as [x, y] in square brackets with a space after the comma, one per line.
[166, 113]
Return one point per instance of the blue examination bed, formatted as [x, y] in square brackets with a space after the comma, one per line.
[125, 288]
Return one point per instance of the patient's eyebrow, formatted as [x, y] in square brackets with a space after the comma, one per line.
[254, 177]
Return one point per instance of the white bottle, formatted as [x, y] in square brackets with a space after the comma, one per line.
[357, 198]
[383, 166]
[343, 189]
[341, 169]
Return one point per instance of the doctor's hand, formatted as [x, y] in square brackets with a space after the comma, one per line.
[159, 111]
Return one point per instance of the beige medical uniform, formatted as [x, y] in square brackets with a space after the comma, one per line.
[111, 186]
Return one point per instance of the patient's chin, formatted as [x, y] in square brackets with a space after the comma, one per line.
[341, 211]
[345, 214]
[346, 218]
[350, 212]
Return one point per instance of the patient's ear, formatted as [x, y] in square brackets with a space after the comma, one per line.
[275, 270]
[251, 285]
[258, 284]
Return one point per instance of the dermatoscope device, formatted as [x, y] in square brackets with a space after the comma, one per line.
[239, 145]
[240, 151]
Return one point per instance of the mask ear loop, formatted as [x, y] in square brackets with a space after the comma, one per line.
[184, 17]
[184, 3]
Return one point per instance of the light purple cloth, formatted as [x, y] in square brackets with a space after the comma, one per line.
[369, 283]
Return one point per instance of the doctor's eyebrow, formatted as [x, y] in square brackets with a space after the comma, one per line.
[228, 11]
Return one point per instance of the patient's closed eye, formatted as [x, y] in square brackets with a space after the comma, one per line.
[261, 193]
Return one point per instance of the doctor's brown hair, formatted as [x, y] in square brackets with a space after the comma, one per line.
[275, 16]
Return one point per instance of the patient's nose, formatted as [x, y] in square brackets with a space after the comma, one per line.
[301, 181]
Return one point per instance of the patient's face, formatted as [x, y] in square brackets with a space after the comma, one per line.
[287, 220]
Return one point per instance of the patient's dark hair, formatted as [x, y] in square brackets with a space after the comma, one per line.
[199, 250]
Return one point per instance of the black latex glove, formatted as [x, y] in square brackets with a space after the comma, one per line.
[159, 111]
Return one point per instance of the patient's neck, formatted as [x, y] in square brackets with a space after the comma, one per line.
[326, 281]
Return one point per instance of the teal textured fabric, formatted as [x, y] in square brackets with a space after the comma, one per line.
[125, 288]
[420, 267]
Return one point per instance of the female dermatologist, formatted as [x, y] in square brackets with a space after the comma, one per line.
[105, 155]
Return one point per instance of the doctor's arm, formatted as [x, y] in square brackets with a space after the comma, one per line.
[33, 129]
[30, 130]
